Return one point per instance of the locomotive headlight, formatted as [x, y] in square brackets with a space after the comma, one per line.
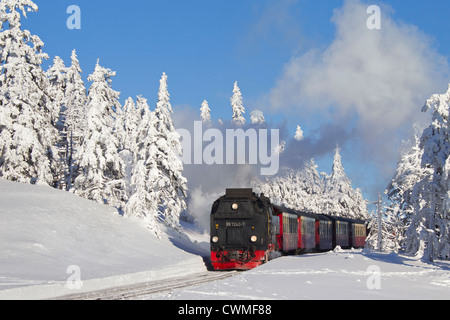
[215, 239]
[234, 206]
[253, 238]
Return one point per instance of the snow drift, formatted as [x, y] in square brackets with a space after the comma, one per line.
[44, 231]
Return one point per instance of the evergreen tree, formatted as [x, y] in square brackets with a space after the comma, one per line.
[172, 185]
[340, 198]
[27, 136]
[57, 92]
[205, 112]
[56, 75]
[75, 117]
[298, 134]
[384, 229]
[237, 106]
[311, 182]
[145, 176]
[102, 169]
[257, 117]
[127, 132]
[433, 219]
[402, 193]
[125, 123]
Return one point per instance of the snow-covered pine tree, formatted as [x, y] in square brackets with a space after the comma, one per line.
[123, 147]
[172, 185]
[126, 123]
[102, 169]
[257, 117]
[340, 198]
[403, 193]
[145, 176]
[435, 190]
[127, 132]
[56, 75]
[75, 118]
[205, 112]
[298, 134]
[311, 182]
[237, 106]
[27, 135]
[384, 228]
[57, 93]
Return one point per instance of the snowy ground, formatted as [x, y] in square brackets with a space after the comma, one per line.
[44, 232]
[334, 275]
[49, 239]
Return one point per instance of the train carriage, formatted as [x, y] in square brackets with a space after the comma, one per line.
[340, 232]
[324, 233]
[358, 234]
[287, 239]
[306, 232]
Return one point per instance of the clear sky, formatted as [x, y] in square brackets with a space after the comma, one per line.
[312, 63]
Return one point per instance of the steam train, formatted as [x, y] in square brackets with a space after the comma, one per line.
[247, 230]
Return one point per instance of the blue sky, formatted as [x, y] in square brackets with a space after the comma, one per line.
[273, 48]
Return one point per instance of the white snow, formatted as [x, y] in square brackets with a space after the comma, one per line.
[341, 275]
[44, 231]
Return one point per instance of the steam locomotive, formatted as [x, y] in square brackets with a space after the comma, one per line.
[247, 230]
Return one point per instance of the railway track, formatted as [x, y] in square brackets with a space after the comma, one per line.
[142, 290]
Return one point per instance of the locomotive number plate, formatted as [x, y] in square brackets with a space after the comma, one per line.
[236, 224]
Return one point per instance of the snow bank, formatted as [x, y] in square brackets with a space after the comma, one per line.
[44, 231]
[342, 275]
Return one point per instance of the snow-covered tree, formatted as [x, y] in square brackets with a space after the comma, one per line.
[340, 198]
[75, 116]
[102, 169]
[127, 120]
[385, 229]
[205, 112]
[27, 136]
[128, 132]
[408, 173]
[432, 222]
[172, 185]
[237, 106]
[57, 93]
[403, 194]
[257, 117]
[298, 134]
[145, 176]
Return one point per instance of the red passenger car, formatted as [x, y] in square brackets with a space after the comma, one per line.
[358, 234]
